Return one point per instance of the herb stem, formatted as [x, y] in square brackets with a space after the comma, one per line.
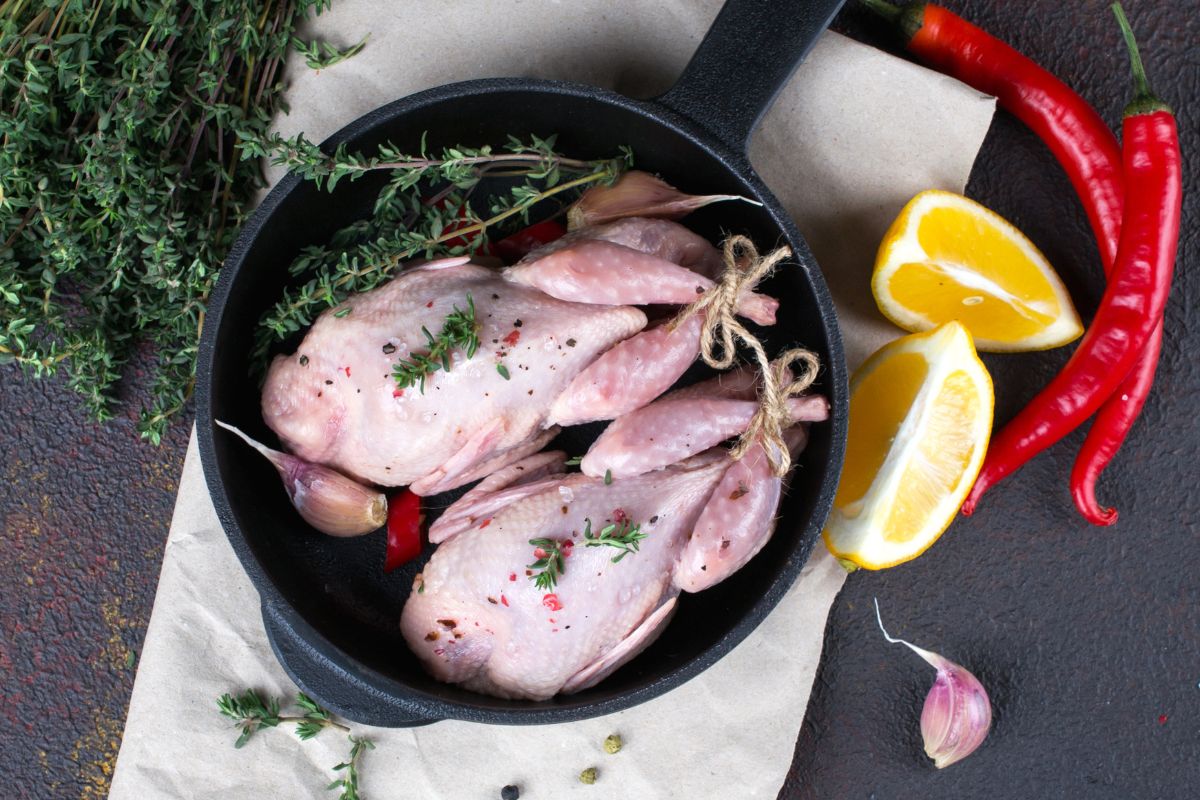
[328, 723]
[483, 225]
[433, 163]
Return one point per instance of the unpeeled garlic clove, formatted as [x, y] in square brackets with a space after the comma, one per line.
[957, 713]
[325, 498]
[638, 194]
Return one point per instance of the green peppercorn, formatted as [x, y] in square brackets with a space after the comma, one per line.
[613, 744]
[588, 776]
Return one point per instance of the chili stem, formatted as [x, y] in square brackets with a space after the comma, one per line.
[888, 11]
[1141, 86]
[1144, 100]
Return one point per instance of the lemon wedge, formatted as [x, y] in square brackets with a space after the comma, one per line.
[948, 258]
[920, 415]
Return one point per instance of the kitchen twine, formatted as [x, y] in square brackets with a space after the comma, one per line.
[745, 269]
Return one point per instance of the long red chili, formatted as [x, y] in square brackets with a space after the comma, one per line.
[1108, 432]
[1116, 417]
[1088, 153]
[1132, 306]
[1074, 132]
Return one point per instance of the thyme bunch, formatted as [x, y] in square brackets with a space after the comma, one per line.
[122, 179]
[427, 209]
[251, 713]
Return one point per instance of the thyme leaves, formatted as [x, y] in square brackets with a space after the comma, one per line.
[426, 209]
[122, 182]
[322, 55]
[459, 330]
[623, 535]
[251, 713]
[549, 563]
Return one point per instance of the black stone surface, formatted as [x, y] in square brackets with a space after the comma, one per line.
[1089, 639]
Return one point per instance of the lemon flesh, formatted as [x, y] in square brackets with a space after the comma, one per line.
[948, 258]
[920, 415]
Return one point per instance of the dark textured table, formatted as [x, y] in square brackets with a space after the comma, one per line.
[1088, 639]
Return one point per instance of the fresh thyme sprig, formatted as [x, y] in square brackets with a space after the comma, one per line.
[459, 166]
[349, 783]
[551, 564]
[623, 535]
[251, 713]
[425, 210]
[322, 55]
[459, 330]
[122, 183]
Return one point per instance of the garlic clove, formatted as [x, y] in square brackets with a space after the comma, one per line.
[957, 713]
[956, 716]
[325, 498]
[638, 194]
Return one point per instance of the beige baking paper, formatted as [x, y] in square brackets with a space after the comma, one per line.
[854, 136]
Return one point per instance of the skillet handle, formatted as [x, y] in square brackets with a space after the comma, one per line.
[334, 688]
[748, 54]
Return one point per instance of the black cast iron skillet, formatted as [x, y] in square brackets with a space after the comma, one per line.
[330, 612]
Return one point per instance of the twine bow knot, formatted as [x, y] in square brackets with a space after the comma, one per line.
[721, 329]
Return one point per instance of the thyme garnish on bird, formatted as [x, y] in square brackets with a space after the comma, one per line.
[122, 183]
[550, 564]
[252, 713]
[459, 330]
[322, 55]
[427, 209]
[623, 535]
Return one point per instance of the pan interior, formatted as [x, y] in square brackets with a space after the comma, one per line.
[337, 585]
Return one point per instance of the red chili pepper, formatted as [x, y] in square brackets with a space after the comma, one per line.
[1157, 138]
[403, 529]
[460, 221]
[1108, 432]
[1071, 128]
[1133, 304]
[1088, 153]
[513, 248]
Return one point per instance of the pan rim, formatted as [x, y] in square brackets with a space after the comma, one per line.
[563, 709]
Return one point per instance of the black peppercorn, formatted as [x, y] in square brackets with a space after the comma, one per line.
[510, 792]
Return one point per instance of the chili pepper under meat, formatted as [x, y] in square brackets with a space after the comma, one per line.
[1116, 417]
[403, 529]
[512, 249]
[1133, 304]
[1088, 153]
